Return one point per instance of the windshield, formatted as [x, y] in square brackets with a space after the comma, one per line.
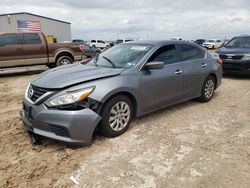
[120, 56]
[210, 40]
[239, 42]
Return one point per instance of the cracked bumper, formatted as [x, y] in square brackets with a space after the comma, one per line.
[75, 127]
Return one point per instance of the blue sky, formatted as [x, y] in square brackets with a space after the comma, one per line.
[146, 19]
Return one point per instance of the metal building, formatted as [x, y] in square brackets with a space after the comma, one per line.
[59, 30]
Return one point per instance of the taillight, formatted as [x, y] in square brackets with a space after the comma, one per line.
[219, 61]
[81, 46]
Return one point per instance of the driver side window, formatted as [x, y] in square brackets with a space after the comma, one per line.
[166, 54]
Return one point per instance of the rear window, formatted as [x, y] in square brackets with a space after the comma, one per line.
[31, 38]
[8, 39]
[190, 52]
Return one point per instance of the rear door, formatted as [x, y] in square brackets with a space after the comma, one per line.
[196, 68]
[35, 49]
[11, 50]
[162, 86]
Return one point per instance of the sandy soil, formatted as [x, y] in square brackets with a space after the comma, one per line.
[187, 145]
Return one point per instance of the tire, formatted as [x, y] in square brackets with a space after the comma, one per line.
[64, 60]
[208, 89]
[116, 121]
[93, 46]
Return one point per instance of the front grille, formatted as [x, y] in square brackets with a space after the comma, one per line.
[228, 56]
[37, 92]
[222, 56]
[60, 131]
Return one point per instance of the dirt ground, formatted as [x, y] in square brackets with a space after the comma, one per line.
[187, 145]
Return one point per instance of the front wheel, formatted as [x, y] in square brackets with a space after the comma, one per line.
[116, 116]
[208, 88]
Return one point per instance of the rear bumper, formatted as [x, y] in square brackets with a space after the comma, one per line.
[75, 127]
[236, 66]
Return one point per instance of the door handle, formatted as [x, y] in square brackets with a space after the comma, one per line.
[203, 64]
[18, 49]
[178, 72]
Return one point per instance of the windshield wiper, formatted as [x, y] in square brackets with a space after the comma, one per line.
[113, 65]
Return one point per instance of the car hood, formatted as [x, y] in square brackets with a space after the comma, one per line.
[224, 50]
[68, 75]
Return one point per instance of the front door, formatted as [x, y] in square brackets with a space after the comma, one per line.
[164, 86]
[11, 50]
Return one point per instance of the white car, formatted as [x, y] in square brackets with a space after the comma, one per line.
[118, 41]
[212, 43]
[98, 44]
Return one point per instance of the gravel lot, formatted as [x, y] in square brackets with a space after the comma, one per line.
[187, 145]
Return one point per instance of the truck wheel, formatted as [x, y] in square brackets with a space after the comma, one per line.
[64, 60]
[116, 116]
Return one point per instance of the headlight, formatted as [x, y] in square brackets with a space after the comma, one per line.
[71, 97]
[246, 56]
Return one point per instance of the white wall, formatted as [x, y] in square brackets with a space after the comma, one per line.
[60, 30]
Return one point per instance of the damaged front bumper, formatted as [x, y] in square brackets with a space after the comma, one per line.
[75, 127]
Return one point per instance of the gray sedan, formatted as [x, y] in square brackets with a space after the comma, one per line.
[129, 80]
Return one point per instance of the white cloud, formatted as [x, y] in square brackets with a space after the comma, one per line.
[156, 19]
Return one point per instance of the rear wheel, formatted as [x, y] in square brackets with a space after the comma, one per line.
[208, 88]
[116, 116]
[64, 60]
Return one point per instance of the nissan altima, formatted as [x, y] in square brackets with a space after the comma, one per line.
[129, 80]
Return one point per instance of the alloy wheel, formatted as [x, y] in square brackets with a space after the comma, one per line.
[209, 89]
[65, 62]
[119, 116]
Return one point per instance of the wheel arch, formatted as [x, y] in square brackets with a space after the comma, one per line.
[64, 53]
[215, 78]
[127, 94]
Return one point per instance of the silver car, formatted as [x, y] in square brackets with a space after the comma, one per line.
[129, 80]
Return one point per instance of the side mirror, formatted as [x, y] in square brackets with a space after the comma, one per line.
[154, 65]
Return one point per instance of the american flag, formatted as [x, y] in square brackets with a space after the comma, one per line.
[28, 26]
